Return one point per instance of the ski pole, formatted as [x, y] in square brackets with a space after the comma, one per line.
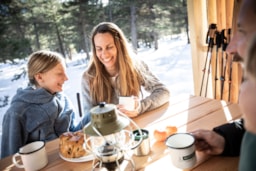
[225, 37]
[210, 41]
[217, 65]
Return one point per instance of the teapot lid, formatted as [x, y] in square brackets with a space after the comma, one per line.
[105, 120]
[103, 108]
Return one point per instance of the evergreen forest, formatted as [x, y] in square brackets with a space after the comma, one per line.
[65, 25]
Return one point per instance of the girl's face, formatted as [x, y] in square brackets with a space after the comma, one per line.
[106, 50]
[53, 79]
[247, 98]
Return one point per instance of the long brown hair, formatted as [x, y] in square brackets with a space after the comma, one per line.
[129, 75]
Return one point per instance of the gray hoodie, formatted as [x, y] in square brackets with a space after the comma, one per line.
[36, 114]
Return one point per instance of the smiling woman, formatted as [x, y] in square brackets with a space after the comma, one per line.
[114, 72]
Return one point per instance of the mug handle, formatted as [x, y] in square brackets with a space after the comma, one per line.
[15, 162]
[137, 103]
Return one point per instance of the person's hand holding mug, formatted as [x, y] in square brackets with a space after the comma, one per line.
[129, 105]
[208, 142]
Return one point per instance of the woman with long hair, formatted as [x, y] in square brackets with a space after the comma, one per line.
[113, 72]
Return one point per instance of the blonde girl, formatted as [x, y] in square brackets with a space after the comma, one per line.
[41, 111]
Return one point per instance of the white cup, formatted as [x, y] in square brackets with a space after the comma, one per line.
[33, 156]
[128, 102]
[182, 150]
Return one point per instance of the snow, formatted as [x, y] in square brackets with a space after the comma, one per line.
[171, 63]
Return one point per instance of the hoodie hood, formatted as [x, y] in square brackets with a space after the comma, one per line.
[31, 95]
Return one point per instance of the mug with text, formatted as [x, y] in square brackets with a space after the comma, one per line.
[33, 156]
[182, 150]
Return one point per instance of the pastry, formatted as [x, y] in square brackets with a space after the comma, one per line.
[71, 145]
[162, 135]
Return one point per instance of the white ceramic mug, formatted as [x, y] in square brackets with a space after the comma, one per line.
[128, 102]
[182, 150]
[33, 156]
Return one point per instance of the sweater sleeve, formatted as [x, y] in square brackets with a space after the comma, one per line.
[65, 121]
[158, 92]
[86, 98]
[233, 134]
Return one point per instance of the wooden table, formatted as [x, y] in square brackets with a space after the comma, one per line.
[188, 113]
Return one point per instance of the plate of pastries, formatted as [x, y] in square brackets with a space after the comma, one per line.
[71, 147]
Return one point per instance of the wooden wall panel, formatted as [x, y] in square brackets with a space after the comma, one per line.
[198, 30]
[225, 75]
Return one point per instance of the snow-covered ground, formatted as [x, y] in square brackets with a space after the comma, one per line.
[171, 63]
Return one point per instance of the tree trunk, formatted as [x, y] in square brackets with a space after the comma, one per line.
[155, 40]
[60, 41]
[110, 11]
[186, 23]
[86, 42]
[133, 27]
[37, 36]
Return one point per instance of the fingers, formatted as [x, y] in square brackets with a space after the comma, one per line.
[119, 106]
[128, 113]
[202, 137]
[201, 145]
[201, 134]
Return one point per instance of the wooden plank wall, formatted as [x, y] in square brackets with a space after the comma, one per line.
[215, 73]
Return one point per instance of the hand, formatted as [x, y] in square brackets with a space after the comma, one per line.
[209, 142]
[130, 113]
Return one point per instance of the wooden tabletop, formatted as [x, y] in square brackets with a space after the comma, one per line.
[187, 113]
